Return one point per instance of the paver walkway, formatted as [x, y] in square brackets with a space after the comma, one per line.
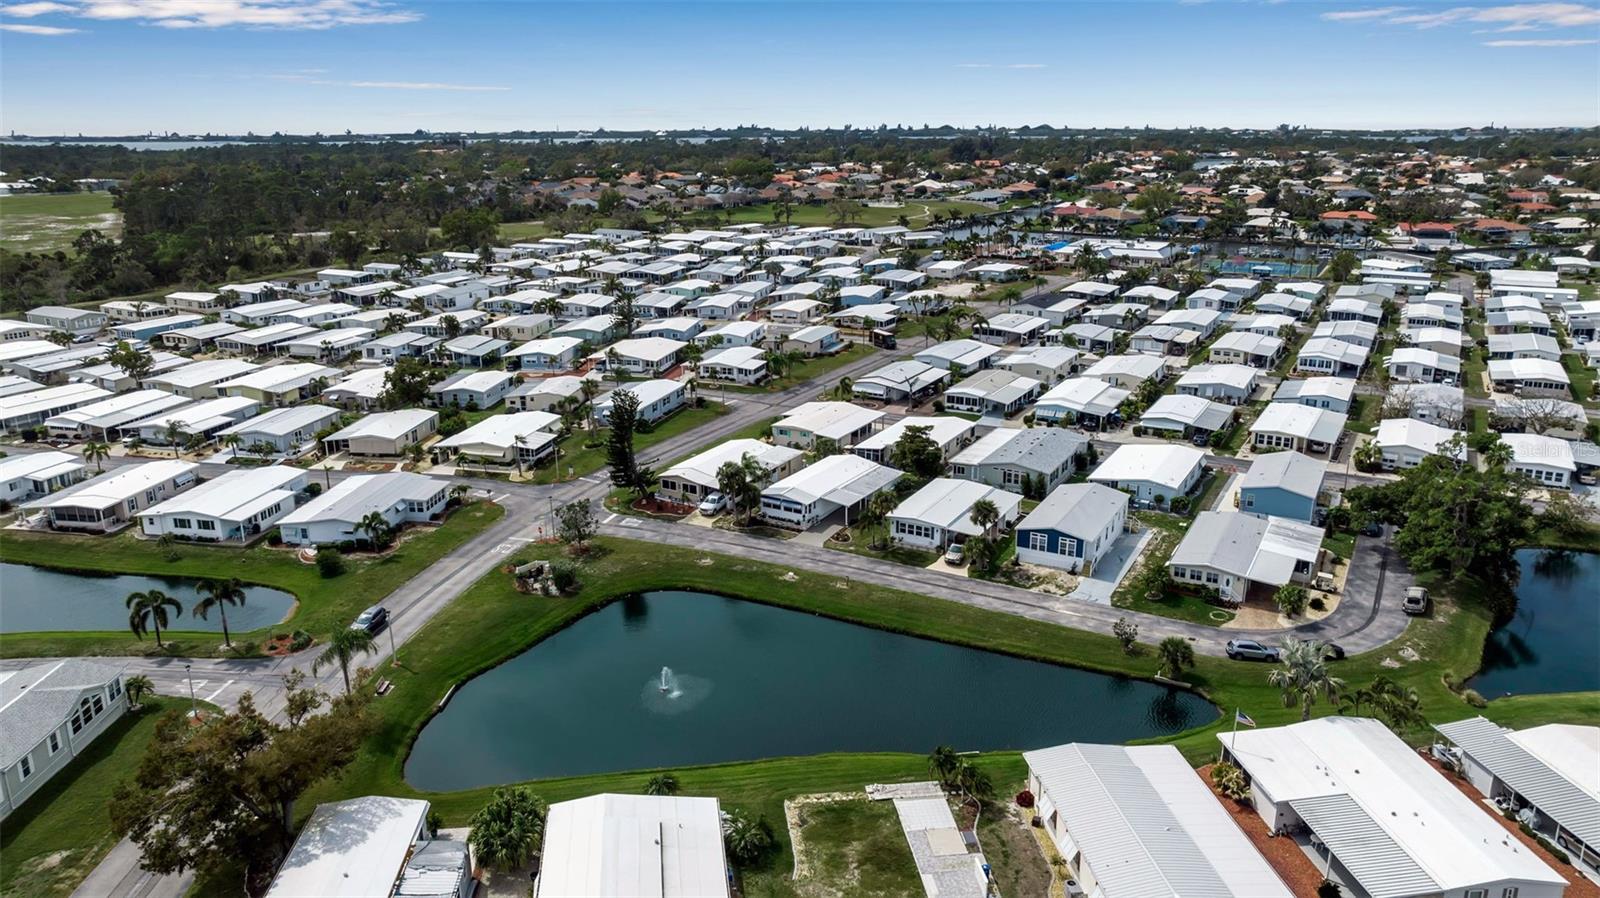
[948, 870]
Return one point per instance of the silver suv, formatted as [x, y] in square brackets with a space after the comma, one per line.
[1250, 650]
[1416, 601]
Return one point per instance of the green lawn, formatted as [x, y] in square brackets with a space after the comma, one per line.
[916, 212]
[523, 231]
[1364, 413]
[860, 544]
[855, 842]
[1473, 361]
[806, 370]
[1581, 376]
[325, 604]
[46, 222]
[578, 460]
[62, 832]
[492, 622]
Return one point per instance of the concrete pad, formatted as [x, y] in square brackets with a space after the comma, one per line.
[818, 535]
[1113, 566]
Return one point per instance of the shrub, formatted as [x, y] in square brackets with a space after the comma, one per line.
[1024, 799]
[564, 576]
[313, 489]
[1230, 781]
[1329, 889]
[1471, 697]
[1127, 633]
[938, 406]
[1317, 604]
[300, 640]
[1180, 504]
[330, 563]
[747, 841]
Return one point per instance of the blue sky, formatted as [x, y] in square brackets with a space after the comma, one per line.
[130, 66]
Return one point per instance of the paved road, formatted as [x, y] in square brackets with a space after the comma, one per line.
[1366, 619]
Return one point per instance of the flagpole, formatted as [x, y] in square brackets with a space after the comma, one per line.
[1231, 735]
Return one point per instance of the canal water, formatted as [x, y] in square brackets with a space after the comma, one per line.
[744, 681]
[1552, 644]
[35, 598]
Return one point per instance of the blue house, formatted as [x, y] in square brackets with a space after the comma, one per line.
[1282, 485]
[1073, 527]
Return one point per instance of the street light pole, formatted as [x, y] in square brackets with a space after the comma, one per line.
[393, 651]
[194, 709]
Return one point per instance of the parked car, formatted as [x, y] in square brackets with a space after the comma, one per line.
[372, 620]
[1372, 528]
[1250, 650]
[955, 554]
[1417, 600]
[714, 504]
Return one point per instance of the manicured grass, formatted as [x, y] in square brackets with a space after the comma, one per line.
[856, 846]
[578, 460]
[46, 222]
[809, 369]
[492, 622]
[916, 212]
[1364, 413]
[1241, 431]
[1474, 361]
[519, 231]
[325, 604]
[860, 544]
[1341, 543]
[1580, 375]
[63, 831]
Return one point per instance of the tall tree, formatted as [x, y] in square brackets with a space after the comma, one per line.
[96, 451]
[1303, 675]
[208, 798]
[916, 453]
[343, 647]
[626, 472]
[149, 610]
[508, 831]
[219, 594]
[1175, 655]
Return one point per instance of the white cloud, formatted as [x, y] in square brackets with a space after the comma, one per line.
[284, 14]
[48, 30]
[1511, 16]
[29, 10]
[1574, 42]
[1361, 15]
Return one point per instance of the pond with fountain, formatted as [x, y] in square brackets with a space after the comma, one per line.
[671, 679]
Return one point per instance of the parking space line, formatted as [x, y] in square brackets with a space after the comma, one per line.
[213, 696]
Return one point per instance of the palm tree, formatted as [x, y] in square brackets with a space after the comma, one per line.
[1176, 654]
[1303, 675]
[662, 784]
[147, 610]
[1398, 705]
[138, 686]
[174, 435]
[507, 831]
[375, 526]
[219, 594]
[972, 781]
[943, 763]
[986, 515]
[233, 441]
[96, 451]
[345, 645]
[521, 440]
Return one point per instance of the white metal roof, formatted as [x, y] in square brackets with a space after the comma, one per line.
[633, 846]
[947, 503]
[115, 486]
[1242, 377]
[36, 401]
[38, 465]
[1556, 767]
[1398, 825]
[701, 468]
[1300, 421]
[279, 378]
[351, 849]
[286, 420]
[386, 425]
[839, 479]
[943, 430]
[352, 498]
[501, 431]
[1084, 394]
[200, 416]
[1147, 826]
[833, 420]
[1165, 464]
[235, 495]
